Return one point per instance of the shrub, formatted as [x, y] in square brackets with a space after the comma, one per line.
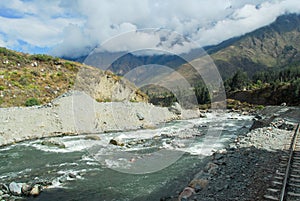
[41, 57]
[59, 73]
[260, 107]
[31, 102]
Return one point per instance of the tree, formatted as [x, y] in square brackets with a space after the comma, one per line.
[239, 80]
[202, 93]
[296, 87]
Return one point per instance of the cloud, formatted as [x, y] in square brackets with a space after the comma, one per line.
[245, 19]
[72, 28]
[2, 43]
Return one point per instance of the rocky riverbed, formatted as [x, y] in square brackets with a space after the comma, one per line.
[86, 166]
[244, 170]
[241, 171]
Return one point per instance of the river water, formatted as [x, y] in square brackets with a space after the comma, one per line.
[150, 165]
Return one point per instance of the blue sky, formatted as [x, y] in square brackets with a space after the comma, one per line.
[73, 27]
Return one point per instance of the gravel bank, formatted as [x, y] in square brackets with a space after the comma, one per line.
[76, 113]
[244, 170]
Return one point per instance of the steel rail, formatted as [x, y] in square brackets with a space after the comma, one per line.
[288, 168]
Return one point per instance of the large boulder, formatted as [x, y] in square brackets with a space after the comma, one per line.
[116, 142]
[53, 143]
[36, 190]
[176, 108]
[260, 123]
[26, 188]
[15, 188]
[186, 193]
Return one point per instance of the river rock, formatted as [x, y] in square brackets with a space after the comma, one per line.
[4, 188]
[286, 126]
[260, 123]
[211, 168]
[15, 188]
[186, 193]
[199, 184]
[92, 137]
[26, 189]
[132, 143]
[5, 197]
[53, 143]
[72, 175]
[202, 115]
[36, 190]
[116, 142]
[139, 116]
[218, 156]
[176, 108]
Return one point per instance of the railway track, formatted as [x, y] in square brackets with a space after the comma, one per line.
[286, 183]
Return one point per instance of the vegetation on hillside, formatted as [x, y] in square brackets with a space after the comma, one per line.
[261, 67]
[27, 80]
[267, 87]
[276, 45]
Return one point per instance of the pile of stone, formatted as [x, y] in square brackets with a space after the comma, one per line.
[16, 191]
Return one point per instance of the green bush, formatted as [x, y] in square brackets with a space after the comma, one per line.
[260, 107]
[31, 102]
[41, 57]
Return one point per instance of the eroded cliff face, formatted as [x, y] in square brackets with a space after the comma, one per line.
[104, 86]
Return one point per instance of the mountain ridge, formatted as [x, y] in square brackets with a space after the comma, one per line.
[275, 45]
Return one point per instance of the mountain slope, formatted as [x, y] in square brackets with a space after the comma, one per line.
[276, 45]
[38, 79]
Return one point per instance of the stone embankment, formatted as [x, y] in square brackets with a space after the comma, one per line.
[77, 113]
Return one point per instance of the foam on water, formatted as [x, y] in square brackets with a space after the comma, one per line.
[90, 160]
[79, 143]
[15, 174]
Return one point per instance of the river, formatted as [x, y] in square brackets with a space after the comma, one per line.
[150, 165]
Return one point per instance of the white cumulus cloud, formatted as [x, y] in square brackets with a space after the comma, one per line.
[72, 28]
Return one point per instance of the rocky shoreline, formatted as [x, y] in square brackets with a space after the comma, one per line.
[244, 170]
[76, 113]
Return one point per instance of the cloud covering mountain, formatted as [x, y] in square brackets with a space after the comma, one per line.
[72, 28]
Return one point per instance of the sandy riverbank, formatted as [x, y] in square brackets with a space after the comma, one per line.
[76, 113]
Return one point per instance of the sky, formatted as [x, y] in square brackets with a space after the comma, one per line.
[72, 28]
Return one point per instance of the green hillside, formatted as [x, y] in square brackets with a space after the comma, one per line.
[276, 45]
[27, 80]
